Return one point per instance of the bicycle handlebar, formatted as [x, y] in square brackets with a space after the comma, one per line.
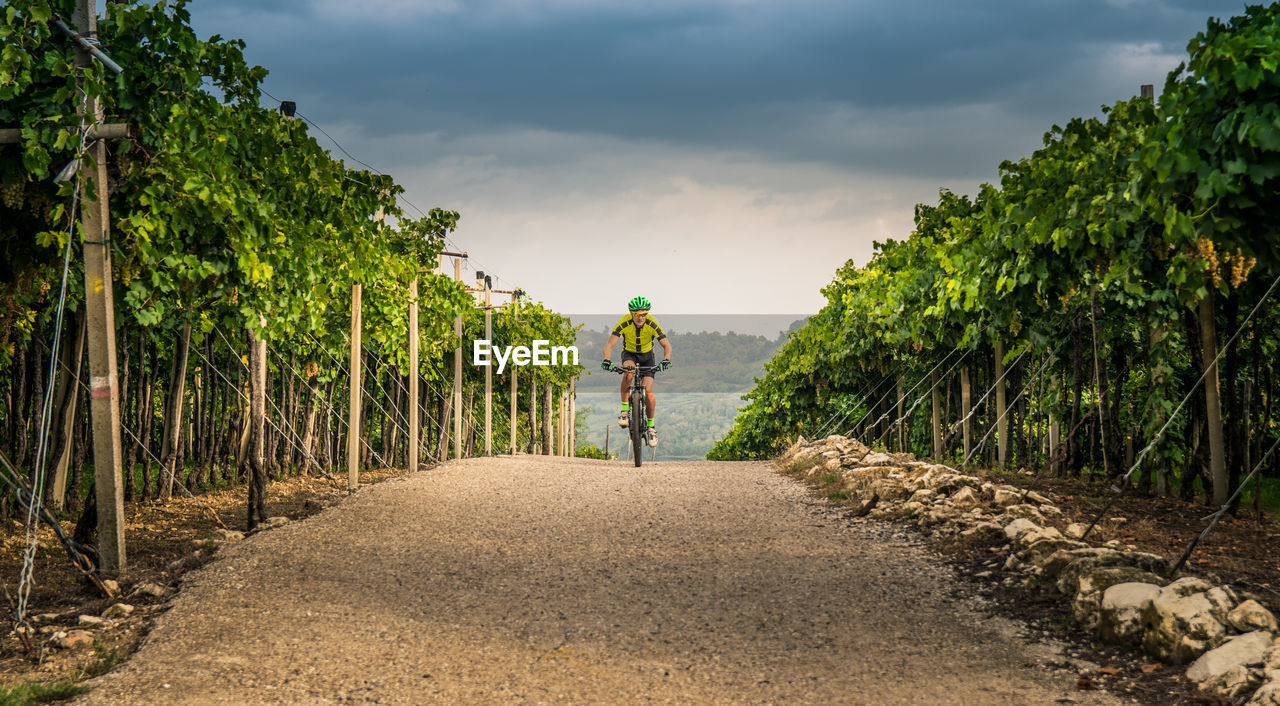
[638, 368]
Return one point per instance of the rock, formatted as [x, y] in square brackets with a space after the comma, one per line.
[1027, 512]
[46, 617]
[1180, 622]
[924, 495]
[118, 610]
[1223, 600]
[1250, 616]
[1188, 585]
[1075, 530]
[912, 509]
[226, 535]
[151, 589]
[964, 498]
[91, 621]
[1086, 560]
[1086, 606]
[1005, 497]
[983, 534]
[1122, 609]
[1019, 527]
[1247, 650]
[878, 459]
[1269, 694]
[1034, 556]
[1231, 684]
[938, 515]
[1050, 510]
[277, 521]
[74, 640]
[1271, 659]
[889, 489]
[112, 586]
[1037, 498]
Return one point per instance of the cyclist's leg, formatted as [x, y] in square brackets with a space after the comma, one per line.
[649, 400]
[624, 391]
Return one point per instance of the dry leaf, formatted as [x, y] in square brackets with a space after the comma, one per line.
[1109, 670]
[1149, 668]
[1084, 684]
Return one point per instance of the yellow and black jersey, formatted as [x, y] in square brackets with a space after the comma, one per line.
[638, 339]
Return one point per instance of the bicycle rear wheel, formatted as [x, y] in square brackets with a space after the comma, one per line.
[636, 423]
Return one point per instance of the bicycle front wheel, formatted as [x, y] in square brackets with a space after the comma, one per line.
[637, 423]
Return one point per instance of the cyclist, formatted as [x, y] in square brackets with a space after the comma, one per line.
[638, 331]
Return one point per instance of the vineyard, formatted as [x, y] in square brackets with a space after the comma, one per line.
[251, 271]
[1107, 309]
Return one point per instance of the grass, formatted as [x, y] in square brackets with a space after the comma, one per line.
[838, 496]
[803, 464]
[107, 660]
[830, 478]
[38, 692]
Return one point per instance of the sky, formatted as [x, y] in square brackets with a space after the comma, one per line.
[714, 156]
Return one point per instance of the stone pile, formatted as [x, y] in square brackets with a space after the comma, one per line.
[1117, 593]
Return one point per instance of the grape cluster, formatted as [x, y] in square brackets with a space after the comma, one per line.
[11, 194]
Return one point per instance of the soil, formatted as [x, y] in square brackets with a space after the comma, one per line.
[159, 550]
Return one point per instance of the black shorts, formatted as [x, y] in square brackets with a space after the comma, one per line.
[641, 359]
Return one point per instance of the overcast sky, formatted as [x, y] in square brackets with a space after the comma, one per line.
[716, 156]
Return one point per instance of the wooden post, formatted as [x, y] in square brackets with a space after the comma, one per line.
[488, 370]
[548, 425]
[457, 372]
[414, 432]
[564, 423]
[355, 393]
[902, 432]
[935, 417]
[1213, 403]
[573, 419]
[533, 414]
[101, 325]
[257, 426]
[966, 405]
[1055, 427]
[1002, 420]
[606, 441]
[514, 302]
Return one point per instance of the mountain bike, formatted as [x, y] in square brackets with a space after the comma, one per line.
[638, 420]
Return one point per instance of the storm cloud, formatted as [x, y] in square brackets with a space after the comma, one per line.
[827, 120]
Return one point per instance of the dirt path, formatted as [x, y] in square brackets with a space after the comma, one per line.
[535, 579]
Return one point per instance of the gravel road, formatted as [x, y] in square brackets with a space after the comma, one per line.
[539, 579]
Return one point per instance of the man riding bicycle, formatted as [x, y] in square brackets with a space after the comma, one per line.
[638, 331]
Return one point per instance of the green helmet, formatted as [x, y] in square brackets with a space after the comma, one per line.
[637, 304]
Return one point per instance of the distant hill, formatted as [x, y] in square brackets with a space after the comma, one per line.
[704, 361]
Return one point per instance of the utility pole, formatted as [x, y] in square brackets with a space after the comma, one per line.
[100, 310]
[573, 417]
